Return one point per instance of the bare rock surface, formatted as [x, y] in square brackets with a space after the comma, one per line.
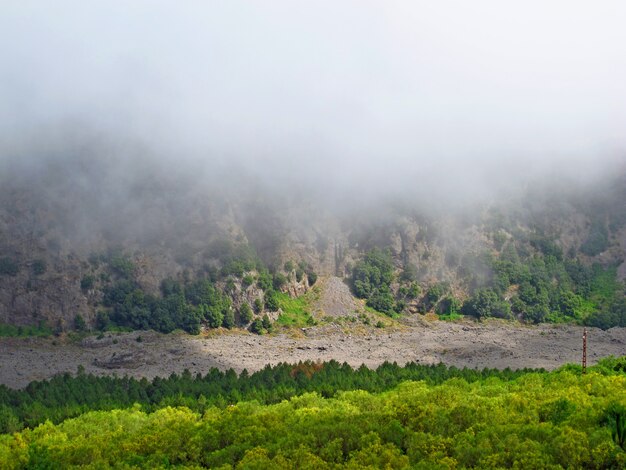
[336, 300]
[463, 344]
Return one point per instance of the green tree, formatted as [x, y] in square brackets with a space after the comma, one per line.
[486, 303]
[79, 323]
[245, 313]
[229, 319]
[374, 271]
[271, 300]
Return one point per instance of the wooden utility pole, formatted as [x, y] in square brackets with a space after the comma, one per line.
[585, 351]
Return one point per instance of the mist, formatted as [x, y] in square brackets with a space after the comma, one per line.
[338, 102]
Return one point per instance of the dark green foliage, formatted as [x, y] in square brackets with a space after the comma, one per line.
[245, 314]
[267, 323]
[449, 305]
[8, 267]
[279, 281]
[374, 271]
[305, 268]
[371, 280]
[180, 307]
[546, 245]
[271, 300]
[39, 267]
[235, 258]
[258, 305]
[322, 415]
[229, 319]
[409, 273]
[557, 411]
[536, 313]
[543, 286]
[102, 321]
[117, 293]
[79, 323]
[172, 287]
[381, 299]
[213, 316]
[9, 422]
[247, 280]
[65, 396]
[264, 281]
[436, 292]
[609, 316]
[616, 417]
[598, 239]
[87, 282]
[256, 326]
[486, 303]
[24, 331]
[122, 266]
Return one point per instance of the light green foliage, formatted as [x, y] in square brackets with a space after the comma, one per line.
[555, 420]
[23, 331]
[296, 311]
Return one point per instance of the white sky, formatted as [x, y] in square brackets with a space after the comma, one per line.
[366, 88]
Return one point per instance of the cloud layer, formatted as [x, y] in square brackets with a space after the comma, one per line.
[401, 97]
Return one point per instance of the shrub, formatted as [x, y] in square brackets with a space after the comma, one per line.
[256, 326]
[79, 323]
[8, 267]
[87, 282]
[39, 267]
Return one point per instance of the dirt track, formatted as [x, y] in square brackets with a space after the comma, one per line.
[460, 344]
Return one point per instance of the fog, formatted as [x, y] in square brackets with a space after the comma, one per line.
[355, 100]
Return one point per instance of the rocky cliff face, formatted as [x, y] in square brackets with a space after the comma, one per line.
[55, 223]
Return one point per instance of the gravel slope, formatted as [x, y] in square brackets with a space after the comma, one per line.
[460, 344]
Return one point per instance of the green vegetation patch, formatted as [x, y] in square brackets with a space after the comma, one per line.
[7, 330]
[296, 311]
[555, 420]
